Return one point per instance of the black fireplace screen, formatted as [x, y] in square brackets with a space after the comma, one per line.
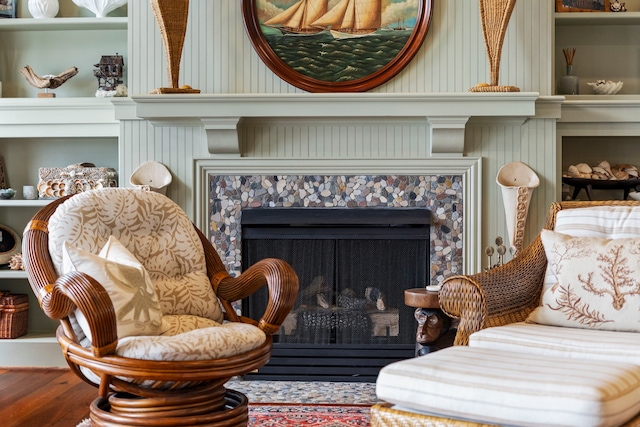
[351, 291]
[353, 266]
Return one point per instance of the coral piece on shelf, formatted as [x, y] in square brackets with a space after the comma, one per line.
[608, 87]
[100, 7]
[16, 262]
[43, 8]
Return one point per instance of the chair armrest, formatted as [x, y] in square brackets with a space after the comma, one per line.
[281, 280]
[499, 296]
[90, 297]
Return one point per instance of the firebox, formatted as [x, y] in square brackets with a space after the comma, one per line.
[354, 265]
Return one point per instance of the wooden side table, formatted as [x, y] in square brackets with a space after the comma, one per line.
[434, 327]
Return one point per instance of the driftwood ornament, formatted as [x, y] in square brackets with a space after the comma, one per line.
[47, 81]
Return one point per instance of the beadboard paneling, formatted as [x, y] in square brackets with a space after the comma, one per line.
[532, 144]
[218, 56]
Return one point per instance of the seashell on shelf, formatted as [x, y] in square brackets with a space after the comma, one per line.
[43, 8]
[608, 87]
[100, 7]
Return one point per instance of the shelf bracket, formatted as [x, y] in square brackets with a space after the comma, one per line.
[447, 135]
[222, 135]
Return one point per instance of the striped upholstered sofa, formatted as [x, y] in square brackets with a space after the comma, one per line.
[548, 339]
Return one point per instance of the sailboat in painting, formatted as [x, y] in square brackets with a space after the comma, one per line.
[297, 19]
[352, 18]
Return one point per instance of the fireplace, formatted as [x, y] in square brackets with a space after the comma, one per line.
[353, 264]
[434, 246]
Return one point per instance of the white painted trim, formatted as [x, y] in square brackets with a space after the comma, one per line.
[470, 169]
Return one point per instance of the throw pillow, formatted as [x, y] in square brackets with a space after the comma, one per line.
[596, 283]
[127, 283]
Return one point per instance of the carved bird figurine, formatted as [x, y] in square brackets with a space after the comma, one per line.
[48, 81]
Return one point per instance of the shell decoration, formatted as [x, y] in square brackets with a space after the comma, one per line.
[100, 7]
[43, 8]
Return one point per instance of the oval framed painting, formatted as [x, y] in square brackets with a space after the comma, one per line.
[336, 45]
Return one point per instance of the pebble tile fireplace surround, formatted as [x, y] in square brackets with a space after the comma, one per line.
[355, 333]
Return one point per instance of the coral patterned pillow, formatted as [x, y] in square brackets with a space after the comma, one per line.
[597, 283]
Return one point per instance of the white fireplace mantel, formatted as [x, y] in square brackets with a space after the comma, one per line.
[220, 115]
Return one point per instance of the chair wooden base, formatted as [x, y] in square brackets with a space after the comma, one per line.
[215, 407]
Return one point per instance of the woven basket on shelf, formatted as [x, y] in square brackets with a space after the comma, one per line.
[14, 315]
[495, 15]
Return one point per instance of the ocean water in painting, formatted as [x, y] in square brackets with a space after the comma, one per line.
[324, 58]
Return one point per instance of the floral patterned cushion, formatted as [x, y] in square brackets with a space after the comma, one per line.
[210, 340]
[127, 283]
[153, 228]
[597, 283]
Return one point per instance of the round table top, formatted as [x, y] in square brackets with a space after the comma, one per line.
[421, 298]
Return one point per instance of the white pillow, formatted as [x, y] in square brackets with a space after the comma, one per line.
[597, 283]
[127, 283]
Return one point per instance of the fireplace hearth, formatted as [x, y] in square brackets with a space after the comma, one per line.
[354, 265]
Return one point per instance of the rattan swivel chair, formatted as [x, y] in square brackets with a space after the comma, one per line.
[144, 304]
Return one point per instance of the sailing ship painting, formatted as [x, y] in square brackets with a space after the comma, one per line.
[299, 18]
[335, 41]
[347, 19]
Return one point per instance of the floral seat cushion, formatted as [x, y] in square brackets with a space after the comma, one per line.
[188, 337]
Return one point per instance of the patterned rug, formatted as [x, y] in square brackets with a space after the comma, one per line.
[292, 415]
[299, 403]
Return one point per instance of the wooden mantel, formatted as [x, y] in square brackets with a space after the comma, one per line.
[447, 113]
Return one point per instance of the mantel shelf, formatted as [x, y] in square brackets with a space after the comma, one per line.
[447, 113]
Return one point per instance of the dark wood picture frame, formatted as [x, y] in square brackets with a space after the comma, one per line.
[289, 62]
[8, 8]
[582, 6]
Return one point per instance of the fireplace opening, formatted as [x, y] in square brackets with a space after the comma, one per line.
[354, 265]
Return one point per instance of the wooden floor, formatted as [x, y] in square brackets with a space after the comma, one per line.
[43, 398]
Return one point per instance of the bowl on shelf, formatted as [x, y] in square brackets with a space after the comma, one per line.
[608, 87]
[7, 193]
[635, 195]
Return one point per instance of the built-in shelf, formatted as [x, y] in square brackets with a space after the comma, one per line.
[13, 274]
[16, 203]
[608, 111]
[57, 117]
[52, 24]
[598, 18]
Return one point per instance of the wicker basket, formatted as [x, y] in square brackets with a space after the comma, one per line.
[14, 315]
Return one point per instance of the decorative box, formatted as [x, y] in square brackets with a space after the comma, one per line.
[59, 182]
[14, 315]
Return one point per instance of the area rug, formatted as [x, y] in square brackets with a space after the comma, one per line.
[295, 415]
